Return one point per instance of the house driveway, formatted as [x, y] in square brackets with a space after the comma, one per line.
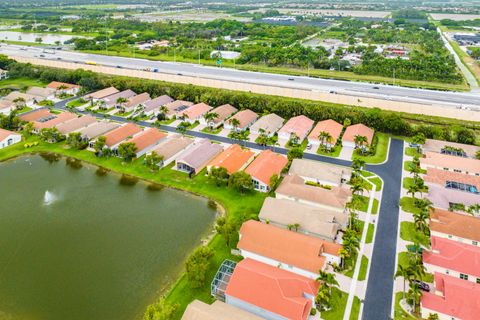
[346, 153]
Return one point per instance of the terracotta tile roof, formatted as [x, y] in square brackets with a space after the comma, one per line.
[293, 186]
[172, 145]
[460, 298]
[299, 125]
[59, 118]
[453, 255]
[40, 92]
[223, 111]
[440, 177]
[56, 85]
[198, 310]
[438, 145]
[119, 134]
[288, 247]
[456, 224]
[147, 138]
[452, 162]
[330, 126]
[245, 117]
[111, 100]
[358, 130]
[195, 111]
[234, 158]
[102, 93]
[266, 165]
[157, 103]
[5, 133]
[75, 124]
[35, 115]
[273, 289]
[271, 123]
[138, 99]
[177, 106]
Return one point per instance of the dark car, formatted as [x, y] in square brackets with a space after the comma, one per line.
[291, 79]
[376, 87]
[119, 67]
[422, 285]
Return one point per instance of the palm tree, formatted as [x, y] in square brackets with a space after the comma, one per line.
[358, 164]
[209, 117]
[424, 204]
[413, 189]
[420, 220]
[474, 209]
[414, 170]
[328, 280]
[296, 226]
[235, 123]
[415, 294]
[325, 137]
[121, 102]
[19, 102]
[344, 255]
[360, 141]
[405, 273]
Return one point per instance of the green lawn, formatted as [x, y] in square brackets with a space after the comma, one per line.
[334, 152]
[408, 205]
[338, 302]
[362, 275]
[364, 204]
[407, 182]
[409, 233]
[239, 207]
[381, 151]
[406, 164]
[24, 109]
[399, 314]
[76, 103]
[21, 83]
[166, 122]
[370, 233]
[377, 182]
[367, 174]
[210, 131]
[403, 260]
[355, 309]
[412, 152]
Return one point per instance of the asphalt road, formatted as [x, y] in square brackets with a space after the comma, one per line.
[357, 89]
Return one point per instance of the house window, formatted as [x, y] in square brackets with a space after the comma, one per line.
[463, 276]
[461, 186]
[446, 169]
[449, 236]
[456, 170]
[475, 243]
[447, 271]
[478, 280]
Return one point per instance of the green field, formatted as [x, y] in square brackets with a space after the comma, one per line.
[21, 83]
[381, 151]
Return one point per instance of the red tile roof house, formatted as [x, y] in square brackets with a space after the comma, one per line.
[145, 141]
[176, 107]
[52, 120]
[452, 299]
[194, 113]
[7, 138]
[152, 107]
[265, 165]
[197, 156]
[452, 148]
[245, 117]
[41, 93]
[34, 115]
[101, 94]
[63, 88]
[223, 112]
[268, 124]
[453, 258]
[134, 102]
[298, 126]
[7, 106]
[285, 249]
[111, 101]
[233, 159]
[348, 139]
[455, 226]
[76, 124]
[331, 127]
[270, 292]
[118, 135]
[450, 163]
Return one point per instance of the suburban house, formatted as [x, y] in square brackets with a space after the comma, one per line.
[134, 102]
[223, 112]
[450, 148]
[198, 310]
[97, 129]
[268, 124]
[455, 226]
[172, 146]
[197, 156]
[453, 258]
[35, 115]
[101, 94]
[321, 172]
[6, 107]
[120, 134]
[293, 187]
[326, 132]
[269, 292]
[296, 128]
[176, 107]
[64, 88]
[233, 159]
[450, 163]
[27, 99]
[146, 140]
[361, 130]
[284, 249]
[7, 138]
[152, 107]
[76, 124]
[245, 119]
[3, 74]
[111, 101]
[264, 166]
[195, 112]
[43, 93]
[307, 219]
[53, 120]
[451, 299]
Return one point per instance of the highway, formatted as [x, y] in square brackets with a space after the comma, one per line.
[358, 89]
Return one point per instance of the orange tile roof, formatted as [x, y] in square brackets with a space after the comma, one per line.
[289, 247]
[223, 111]
[459, 225]
[147, 138]
[138, 99]
[5, 133]
[56, 85]
[35, 115]
[59, 118]
[447, 161]
[119, 134]
[299, 125]
[245, 117]
[266, 165]
[100, 94]
[439, 176]
[330, 126]
[195, 111]
[273, 289]
[234, 158]
[358, 130]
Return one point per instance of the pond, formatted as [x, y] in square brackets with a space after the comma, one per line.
[77, 242]
[47, 38]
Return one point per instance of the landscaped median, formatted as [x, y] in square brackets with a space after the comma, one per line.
[238, 207]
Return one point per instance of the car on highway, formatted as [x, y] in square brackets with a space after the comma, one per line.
[179, 74]
[421, 285]
[291, 79]
[119, 67]
[376, 88]
[42, 56]
[333, 92]
[155, 70]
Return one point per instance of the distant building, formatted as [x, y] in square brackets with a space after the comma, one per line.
[148, 45]
[7, 138]
[3, 74]
[227, 55]
[467, 39]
